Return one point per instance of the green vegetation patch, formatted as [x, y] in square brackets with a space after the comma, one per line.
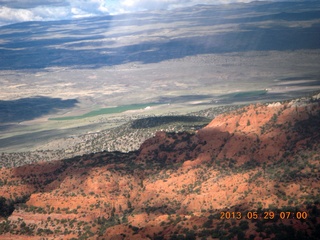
[103, 111]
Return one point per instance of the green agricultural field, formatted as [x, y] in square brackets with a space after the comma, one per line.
[103, 111]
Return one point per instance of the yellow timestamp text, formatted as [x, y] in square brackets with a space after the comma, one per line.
[267, 215]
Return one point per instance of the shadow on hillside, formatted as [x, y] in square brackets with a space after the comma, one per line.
[162, 120]
[25, 109]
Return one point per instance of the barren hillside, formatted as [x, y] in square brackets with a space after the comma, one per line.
[252, 173]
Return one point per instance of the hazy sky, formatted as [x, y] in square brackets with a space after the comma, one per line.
[12, 11]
